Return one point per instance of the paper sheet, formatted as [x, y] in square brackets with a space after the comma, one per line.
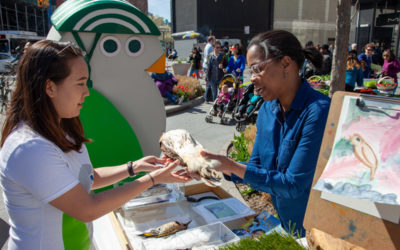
[384, 211]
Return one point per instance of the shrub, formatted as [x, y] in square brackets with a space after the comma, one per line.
[188, 87]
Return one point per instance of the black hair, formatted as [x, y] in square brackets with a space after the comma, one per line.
[391, 54]
[280, 43]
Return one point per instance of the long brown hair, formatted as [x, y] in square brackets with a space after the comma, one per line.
[352, 61]
[42, 61]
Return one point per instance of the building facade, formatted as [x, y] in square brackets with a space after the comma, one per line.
[379, 21]
[313, 20]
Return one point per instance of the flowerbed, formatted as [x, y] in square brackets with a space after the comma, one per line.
[188, 87]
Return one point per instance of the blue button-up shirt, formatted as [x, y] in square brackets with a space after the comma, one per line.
[285, 153]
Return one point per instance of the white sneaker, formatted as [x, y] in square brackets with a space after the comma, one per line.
[181, 100]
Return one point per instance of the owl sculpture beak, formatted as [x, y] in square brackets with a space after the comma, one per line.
[158, 66]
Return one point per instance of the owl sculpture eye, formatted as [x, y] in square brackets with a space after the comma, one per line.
[110, 46]
[134, 46]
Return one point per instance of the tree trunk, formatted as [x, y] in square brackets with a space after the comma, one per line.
[338, 74]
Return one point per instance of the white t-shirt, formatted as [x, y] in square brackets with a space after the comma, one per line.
[207, 51]
[33, 172]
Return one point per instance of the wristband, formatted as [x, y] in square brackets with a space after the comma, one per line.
[151, 178]
[130, 169]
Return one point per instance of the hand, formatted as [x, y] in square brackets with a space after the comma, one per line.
[225, 70]
[220, 66]
[165, 174]
[147, 164]
[238, 70]
[226, 163]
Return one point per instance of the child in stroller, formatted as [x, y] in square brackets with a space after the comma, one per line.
[247, 107]
[234, 94]
[222, 101]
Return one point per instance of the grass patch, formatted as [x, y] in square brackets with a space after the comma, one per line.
[273, 240]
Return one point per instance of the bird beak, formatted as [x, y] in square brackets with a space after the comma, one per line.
[158, 66]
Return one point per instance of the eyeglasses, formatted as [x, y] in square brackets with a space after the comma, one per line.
[370, 49]
[257, 68]
[217, 47]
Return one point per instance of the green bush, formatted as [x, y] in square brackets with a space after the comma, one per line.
[240, 143]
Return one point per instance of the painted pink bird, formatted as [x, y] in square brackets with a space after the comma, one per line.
[364, 153]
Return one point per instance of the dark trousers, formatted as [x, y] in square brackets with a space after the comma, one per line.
[213, 88]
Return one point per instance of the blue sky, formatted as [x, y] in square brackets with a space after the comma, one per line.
[160, 8]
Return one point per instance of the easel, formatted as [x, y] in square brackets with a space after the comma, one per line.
[333, 226]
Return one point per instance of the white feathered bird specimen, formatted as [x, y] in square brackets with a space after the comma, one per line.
[179, 144]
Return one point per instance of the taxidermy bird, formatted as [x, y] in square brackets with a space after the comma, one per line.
[364, 153]
[179, 144]
[166, 229]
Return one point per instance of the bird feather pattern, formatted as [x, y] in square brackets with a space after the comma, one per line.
[179, 144]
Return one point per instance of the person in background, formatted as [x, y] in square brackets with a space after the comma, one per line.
[245, 109]
[391, 65]
[377, 56]
[208, 49]
[331, 49]
[222, 100]
[226, 47]
[354, 72]
[237, 62]
[45, 171]
[216, 64]
[326, 62]
[195, 63]
[353, 48]
[165, 83]
[366, 60]
[308, 69]
[290, 126]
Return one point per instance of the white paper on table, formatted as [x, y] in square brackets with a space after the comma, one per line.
[223, 210]
[104, 235]
[380, 210]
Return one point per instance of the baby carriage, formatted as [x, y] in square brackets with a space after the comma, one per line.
[235, 94]
[242, 114]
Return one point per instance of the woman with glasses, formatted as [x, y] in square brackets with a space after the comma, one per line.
[215, 66]
[290, 127]
[391, 66]
[45, 170]
[366, 60]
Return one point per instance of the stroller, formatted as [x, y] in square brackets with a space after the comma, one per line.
[235, 94]
[240, 115]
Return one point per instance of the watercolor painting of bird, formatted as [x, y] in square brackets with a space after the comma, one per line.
[364, 153]
[179, 144]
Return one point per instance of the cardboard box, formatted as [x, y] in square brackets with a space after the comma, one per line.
[121, 218]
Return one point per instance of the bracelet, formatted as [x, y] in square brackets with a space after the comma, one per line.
[151, 178]
[130, 169]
